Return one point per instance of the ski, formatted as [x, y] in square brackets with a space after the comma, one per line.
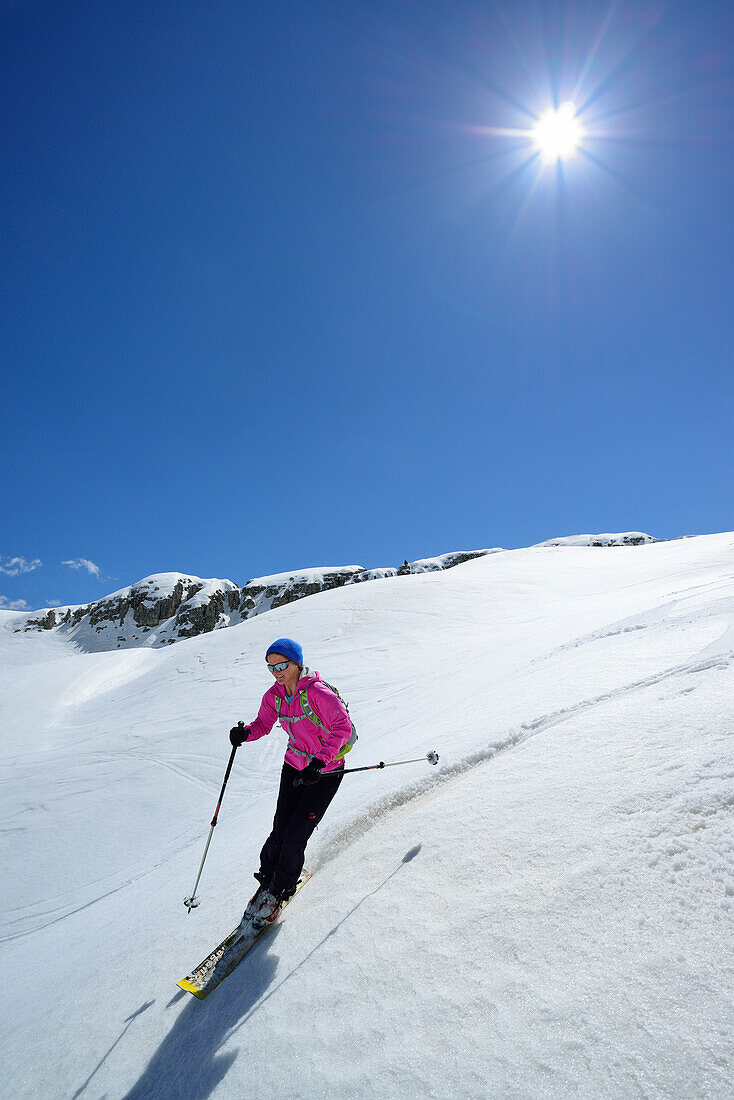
[223, 959]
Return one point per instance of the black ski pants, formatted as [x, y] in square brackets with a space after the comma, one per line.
[297, 813]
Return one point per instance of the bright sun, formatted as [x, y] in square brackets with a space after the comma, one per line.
[557, 134]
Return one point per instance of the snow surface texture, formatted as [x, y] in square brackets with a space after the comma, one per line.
[549, 913]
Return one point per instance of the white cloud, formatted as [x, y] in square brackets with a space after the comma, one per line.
[82, 563]
[12, 605]
[13, 566]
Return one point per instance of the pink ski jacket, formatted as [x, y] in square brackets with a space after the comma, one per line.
[306, 740]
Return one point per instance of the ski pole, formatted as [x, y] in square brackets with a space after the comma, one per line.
[193, 901]
[431, 757]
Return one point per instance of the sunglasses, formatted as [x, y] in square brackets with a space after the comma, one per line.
[280, 667]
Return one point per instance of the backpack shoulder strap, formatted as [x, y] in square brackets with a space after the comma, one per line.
[309, 711]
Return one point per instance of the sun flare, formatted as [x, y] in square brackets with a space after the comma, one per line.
[558, 133]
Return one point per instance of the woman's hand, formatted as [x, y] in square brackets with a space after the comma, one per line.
[238, 735]
[310, 774]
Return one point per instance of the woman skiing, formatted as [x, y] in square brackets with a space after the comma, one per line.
[319, 733]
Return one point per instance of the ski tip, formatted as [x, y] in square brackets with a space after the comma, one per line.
[191, 988]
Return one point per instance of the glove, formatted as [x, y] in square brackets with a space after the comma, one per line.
[238, 735]
[310, 774]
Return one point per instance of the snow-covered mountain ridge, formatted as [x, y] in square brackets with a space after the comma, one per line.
[163, 608]
[166, 607]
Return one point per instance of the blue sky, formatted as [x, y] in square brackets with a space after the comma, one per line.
[278, 290]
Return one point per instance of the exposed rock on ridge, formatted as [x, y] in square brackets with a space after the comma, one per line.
[266, 593]
[157, 610]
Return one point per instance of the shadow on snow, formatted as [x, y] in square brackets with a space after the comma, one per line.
[186, 1063]
[104, 1058]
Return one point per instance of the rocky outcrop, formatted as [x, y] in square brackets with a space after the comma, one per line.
[266, 593]
[158, 610]
[203, 617]
[446, 561]
[46, 622]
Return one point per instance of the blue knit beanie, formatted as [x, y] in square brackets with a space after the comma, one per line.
[288, 648]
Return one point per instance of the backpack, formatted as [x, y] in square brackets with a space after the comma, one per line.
[309, 713]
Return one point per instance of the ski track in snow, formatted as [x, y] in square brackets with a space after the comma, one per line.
[647, 620]
[54, 914]
[421, 789]
[121, 879]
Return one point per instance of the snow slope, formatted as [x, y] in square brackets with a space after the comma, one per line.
[548, 914]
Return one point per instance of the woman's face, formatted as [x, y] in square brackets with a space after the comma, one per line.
[277, 659]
